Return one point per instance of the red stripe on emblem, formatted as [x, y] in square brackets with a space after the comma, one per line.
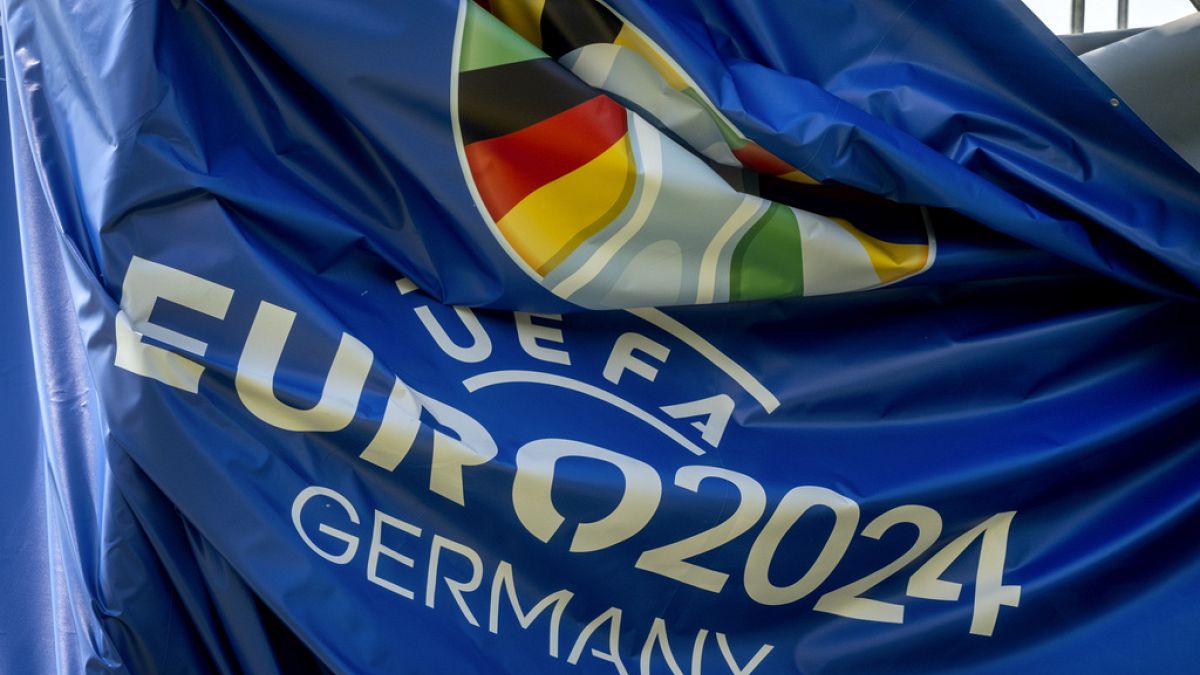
[509, 168]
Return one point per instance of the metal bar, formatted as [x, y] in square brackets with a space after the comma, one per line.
[1077, 16]
[1122, 14]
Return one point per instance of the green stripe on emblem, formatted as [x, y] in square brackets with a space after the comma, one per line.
[487, 42]
[768, 261]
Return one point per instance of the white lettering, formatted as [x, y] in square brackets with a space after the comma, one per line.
[658, 634]
[504, 579]
[621, 359]
[378, 548]
[260, 359]
[535, 478]
[715, 409]
[146, 282]
[761, 654]
[529, 333]
[457, 588]
[480, 347]
[474, 446]
[397, 432]
[350, 540]
[613, 616]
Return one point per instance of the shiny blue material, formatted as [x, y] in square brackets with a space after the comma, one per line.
[301, 154]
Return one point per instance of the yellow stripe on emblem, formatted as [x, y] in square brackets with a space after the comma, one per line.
[523, 16]
[799, 177]
[551, 222]
[892, 262]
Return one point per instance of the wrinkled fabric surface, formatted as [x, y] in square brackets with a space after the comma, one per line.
[283, 392]
[1150, 73]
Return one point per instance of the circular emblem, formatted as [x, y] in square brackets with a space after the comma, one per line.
[614, 181]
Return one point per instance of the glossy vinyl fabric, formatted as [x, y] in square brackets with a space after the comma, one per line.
[294, 167]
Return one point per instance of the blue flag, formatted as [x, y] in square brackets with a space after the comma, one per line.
[683, 336]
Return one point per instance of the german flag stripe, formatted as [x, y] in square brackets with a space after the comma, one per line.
[545, 227]
[487, 42]
[873, 215]
[499, 100]
[768, 261]
[758, 158]
[509, 168]
[892, 262]
[570, 24]
[523, 16]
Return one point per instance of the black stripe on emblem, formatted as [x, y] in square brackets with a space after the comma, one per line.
[502, 99]
[570, 24]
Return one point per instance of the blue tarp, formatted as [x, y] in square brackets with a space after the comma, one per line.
[328, 342]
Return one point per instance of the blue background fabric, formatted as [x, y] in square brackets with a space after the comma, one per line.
[302, 155]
